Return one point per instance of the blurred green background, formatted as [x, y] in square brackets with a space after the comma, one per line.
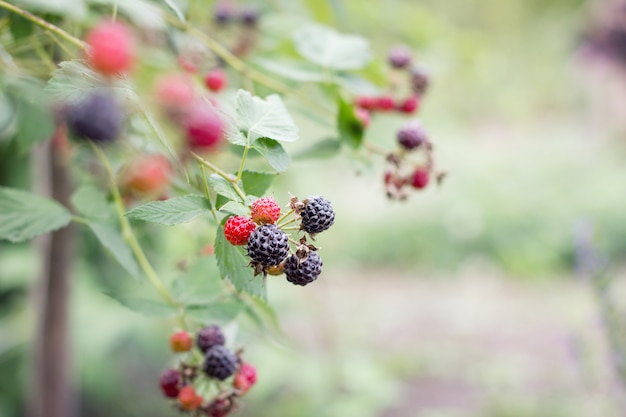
[462, 301]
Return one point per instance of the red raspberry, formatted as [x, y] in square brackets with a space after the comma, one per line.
[385, 103]
[245, 378]
[111, 48]
[189, 399]
[420, 178]
[148, 174]
[181, 341]
[367, 103]
[363, 115]
[204, 127]
[215, 80]
[410, 105]
[237, 229]
[170, 382]
[265, 211]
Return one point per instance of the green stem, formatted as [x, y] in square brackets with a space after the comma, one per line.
[281, 225]
[81, 220]
[290, 228]
[233, 181]
[43, 23]
[243, 161]
[205, 185]
[284, 216]
[129, 236]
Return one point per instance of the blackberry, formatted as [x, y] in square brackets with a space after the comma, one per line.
[268, 245]
[170, 382]
[303, 272]
[96, 117]
[399, 57]
[219, 363]
[411, 135]
[210, 336]
[419, 80]
[317, 215]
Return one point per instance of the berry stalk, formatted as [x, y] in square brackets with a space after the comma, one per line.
[218, 171]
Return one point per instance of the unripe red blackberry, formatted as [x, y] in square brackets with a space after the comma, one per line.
[210, 336]
[111, 48]
[268, 245]
[409, 105]
[245, 378]
[420, 178]
[366, 102]
[237, 229]
[147, 174]
[170, 382]
[215, 80]
[385, 103]
[204, 127]
[175, 93]
[219, 362]
[265, 210]
[181, 341]
[419, 81]
[97, 117]
[188, 399]
[399, 57]
[303, 272]
[411, 135]
[317, 215]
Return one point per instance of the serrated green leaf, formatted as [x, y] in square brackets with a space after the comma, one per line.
[325, 148]
[264, 118]
[223, 187]
[234, 265]
[73, 80]
[221, 311]
[148, 307]
[235, 208]
[171, 211]
[292, 70]
[350, 127]
[274, 153]
[257, 183]
[325, 46]
[111, 239]
[91, 203]
[24, 215]
[201, 283]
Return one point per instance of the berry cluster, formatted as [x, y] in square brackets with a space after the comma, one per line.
[268, 244]
[218, 364]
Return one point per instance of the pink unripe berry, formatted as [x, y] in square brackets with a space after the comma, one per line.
[111, 48]
[215, 80]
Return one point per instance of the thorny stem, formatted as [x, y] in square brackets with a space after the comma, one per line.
[218, 171]
[43, 23]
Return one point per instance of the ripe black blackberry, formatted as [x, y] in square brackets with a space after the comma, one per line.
[411, 135]
[219, 363]
[268, 245]
[317, 215]
[210, 336]
[97, 117]
[303, 272]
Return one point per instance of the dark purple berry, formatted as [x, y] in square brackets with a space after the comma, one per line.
[170, 382]
[249, 16]
[303, 271]
[317, 215]
[210, 336]
[268, 245]
[411, 135]
[399, 57]
[219, 363]
[223, 13]
[97, 117]
[419, 81]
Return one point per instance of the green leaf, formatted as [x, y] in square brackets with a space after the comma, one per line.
[91, 203]
[74, 79]
[20, 27]
[260, 309]
[34, 118]
[323, 149]
[235, 208]
[70, 8]
[24, 215]
[234, 265]
[257, 183]
[322, 10]
[268, 118]
[220, 311]
[201, 283]
[292, 70]
[8, 114]
[350, 127]
[176, 9]
[145, 306]
[112, 240]
[223, 187]
[324, 46]
[172, 211]
[274, 153]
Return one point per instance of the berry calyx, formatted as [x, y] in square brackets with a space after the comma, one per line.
[411, 135]
[188, 399]
[268, 245]
[111, 48]
[237, 229]
[215, 80]
[170, 382]
[210, 336]
[245, 378]
[181, 341]
[97, 117]
[409, 105]
[317, 215]
[148, 174]
[265, 210]
[399, 57]
[204, 128]
[219, 363]
[420, 178]
[385, 103]
[303, 271]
